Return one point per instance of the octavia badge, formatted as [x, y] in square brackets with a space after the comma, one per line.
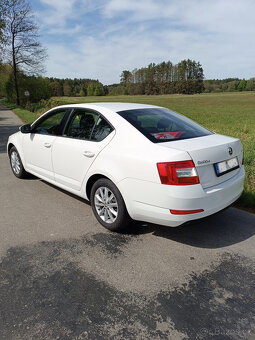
[230, 151]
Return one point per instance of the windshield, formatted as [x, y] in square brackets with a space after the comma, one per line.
[162, 125]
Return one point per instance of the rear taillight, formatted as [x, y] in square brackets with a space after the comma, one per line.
[178, 173]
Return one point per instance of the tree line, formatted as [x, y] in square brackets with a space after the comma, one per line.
[44, 87]
[164, 78]
[229, 85]
[77, 87]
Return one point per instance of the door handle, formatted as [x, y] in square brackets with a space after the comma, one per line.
[88, 154]
[47, 145]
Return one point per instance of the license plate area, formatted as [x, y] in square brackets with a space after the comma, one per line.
[224, 167]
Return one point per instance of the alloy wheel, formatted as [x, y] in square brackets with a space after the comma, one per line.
[15, 162]
[106, 204]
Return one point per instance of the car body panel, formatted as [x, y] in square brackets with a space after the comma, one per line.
[208, 150]
[37, 153]
[151, 202]
[16, 140]
[72, 158]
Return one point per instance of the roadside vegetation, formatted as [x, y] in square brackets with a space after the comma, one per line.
[230, 114]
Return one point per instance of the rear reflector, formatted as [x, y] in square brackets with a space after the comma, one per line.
[178, 173]
[185, 212]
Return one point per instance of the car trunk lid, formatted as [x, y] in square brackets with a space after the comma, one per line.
[207, 151]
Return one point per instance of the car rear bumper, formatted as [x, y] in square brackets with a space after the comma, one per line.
[151, 202]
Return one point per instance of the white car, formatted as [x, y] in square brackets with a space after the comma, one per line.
[132, 161]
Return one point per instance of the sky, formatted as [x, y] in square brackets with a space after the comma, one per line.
[98, 39]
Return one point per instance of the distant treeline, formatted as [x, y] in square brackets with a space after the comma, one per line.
[44, 87]
[229, 85]
[76, 87]
[185, 77]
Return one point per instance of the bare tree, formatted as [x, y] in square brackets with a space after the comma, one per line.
[25, 53]
[2, 26]
[1, 22]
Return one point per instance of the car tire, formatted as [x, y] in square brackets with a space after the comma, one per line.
[16, 164]
[108, 205]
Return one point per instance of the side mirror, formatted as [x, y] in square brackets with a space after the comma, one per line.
[25, 128]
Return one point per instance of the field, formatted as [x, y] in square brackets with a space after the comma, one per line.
[231, 114]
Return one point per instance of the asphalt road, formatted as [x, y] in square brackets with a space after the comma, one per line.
[63, 276]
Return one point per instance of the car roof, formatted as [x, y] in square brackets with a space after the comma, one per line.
[113, 106]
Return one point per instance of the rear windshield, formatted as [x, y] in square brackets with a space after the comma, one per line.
[162, 125]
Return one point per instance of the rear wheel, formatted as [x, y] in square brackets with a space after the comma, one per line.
[108, 205]
[16, 164]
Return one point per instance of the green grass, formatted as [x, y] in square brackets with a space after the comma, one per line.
[231, 114]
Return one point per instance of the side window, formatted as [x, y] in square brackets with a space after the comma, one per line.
[101, 130]
[51, 125]
[81, 124]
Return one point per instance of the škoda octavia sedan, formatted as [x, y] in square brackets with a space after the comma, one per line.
[132, 161]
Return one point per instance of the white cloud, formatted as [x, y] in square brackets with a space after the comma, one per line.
[126, 34]
[103, 60]
[215, 16]
[65, 30]
[143, 9]
[57, 12]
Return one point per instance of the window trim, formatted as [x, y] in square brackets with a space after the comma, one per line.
[72, 109]
[35, 124]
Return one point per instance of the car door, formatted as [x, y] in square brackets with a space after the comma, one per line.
[37, 145]
[85, 135]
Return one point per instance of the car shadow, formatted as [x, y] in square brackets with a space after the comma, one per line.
[228, 227]
[66, 192]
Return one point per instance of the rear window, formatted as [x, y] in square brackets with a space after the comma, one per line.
[162, 125]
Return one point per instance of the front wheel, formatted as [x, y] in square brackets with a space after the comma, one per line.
[16, 164]
[108, 205]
